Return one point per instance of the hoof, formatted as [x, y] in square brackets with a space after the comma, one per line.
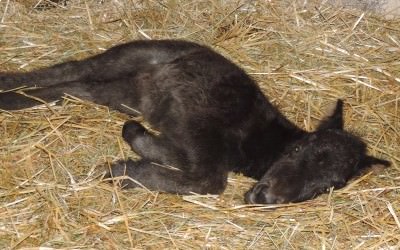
[132, 129]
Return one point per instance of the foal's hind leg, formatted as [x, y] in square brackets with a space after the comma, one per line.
[15, 101]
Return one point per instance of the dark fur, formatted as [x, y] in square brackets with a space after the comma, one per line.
[213, 119]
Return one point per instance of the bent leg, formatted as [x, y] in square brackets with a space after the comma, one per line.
[15, 101]
[189, 176]
[161, 178]
[152, 147]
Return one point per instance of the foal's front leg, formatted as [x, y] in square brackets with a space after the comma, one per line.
[155, 148]
[146, 172]
[157, 177]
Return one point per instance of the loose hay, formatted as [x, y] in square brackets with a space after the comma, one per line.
[51, 193]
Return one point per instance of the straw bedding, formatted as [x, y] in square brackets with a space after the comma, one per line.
[51, 193]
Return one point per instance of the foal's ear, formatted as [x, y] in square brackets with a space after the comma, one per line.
[335, 120]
